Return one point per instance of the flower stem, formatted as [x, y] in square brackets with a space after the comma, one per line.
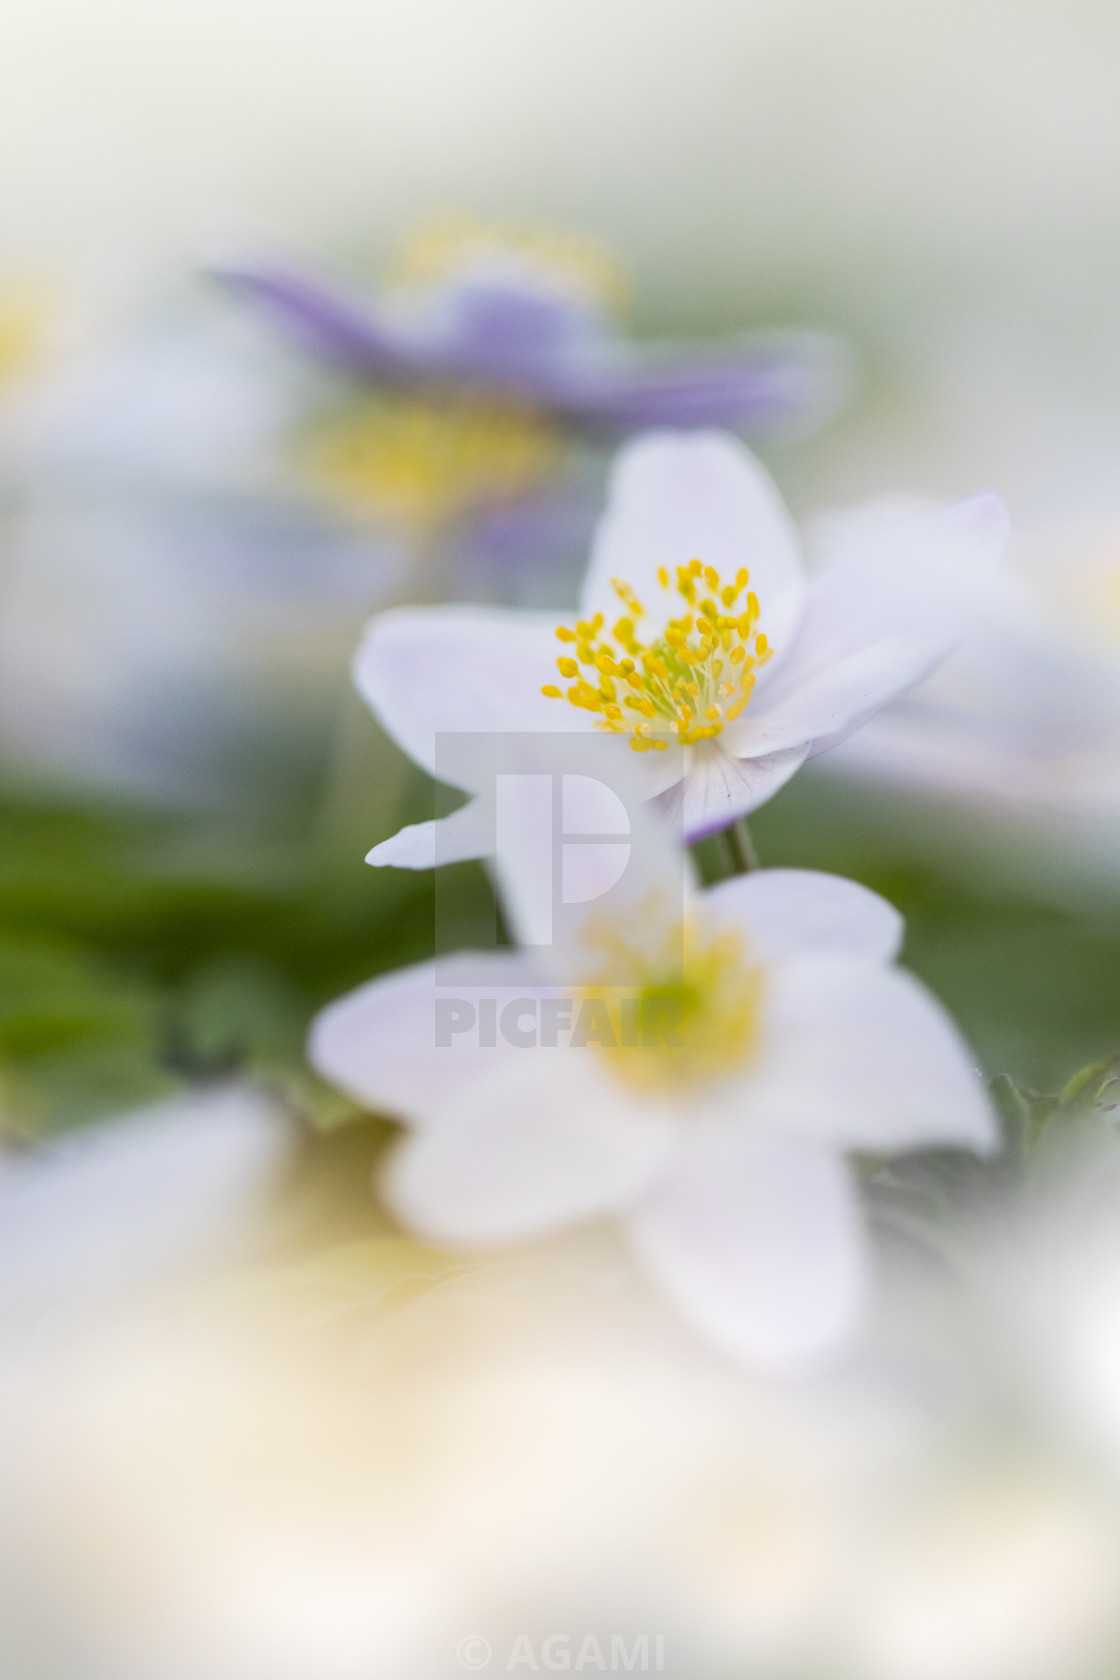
[740, 847]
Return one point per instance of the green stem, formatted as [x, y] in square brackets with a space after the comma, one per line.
[740, 847]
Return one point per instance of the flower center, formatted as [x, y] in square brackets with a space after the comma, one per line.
[689, 1016]
[422, 462]
[692, 678]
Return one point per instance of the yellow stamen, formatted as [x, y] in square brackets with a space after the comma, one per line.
[677, 675]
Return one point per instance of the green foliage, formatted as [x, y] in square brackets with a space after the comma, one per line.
[142, 952]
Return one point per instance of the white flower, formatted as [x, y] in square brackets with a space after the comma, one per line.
[775, 1036]
[122, 1204]
[696, 625]
[171, 604]
[1024, 716]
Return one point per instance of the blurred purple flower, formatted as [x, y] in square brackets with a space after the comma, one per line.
[512, 329]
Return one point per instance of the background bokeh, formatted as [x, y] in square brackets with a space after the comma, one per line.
[249, 1428]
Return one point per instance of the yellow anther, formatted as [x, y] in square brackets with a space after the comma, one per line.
[639, 746]
[680, 674]
[551, 690]
[742, 578]
[658, 746]
[736, 707]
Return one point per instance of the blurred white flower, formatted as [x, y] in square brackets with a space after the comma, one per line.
[170, 610]
[702, 1083]
[697, 626]
[1023, 719]
[131, 1200]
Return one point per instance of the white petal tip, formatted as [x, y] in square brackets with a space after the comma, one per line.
[982, 519]
[412, 848]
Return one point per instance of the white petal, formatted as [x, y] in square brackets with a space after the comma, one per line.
[454, 839]
[546, 1141]
[675, 496]
[865, 1057]
[903, 587]
[819, 709]
[792, 912]
[757, 1240]
[426, 670]
[982, 525]
[380, 1041]
[124, 1202]
[717, 787]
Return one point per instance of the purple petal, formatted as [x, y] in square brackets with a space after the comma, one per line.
[511, 334]
[740, 388]
[497, 331]
[328, 322]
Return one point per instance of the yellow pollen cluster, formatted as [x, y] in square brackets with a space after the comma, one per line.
[690, 679]
[24, 315]
[440, 249]
[691, 1012]
[420, 461]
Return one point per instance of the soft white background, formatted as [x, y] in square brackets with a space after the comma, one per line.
[937, 178]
